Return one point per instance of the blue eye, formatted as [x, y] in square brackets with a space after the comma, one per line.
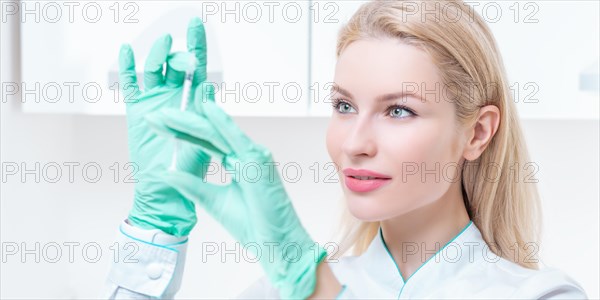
[394, 110]
[337, 102]
[398, 109]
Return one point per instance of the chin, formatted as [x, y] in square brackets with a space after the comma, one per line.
[373, 209]
[366, 210]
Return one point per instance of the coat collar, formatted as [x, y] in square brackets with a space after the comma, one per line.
[379, 263]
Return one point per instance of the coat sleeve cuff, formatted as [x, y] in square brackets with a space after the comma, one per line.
[148, 262]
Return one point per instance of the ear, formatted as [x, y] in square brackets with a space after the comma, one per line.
[482, 132]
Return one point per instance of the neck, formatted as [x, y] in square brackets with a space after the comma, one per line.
[414, 237]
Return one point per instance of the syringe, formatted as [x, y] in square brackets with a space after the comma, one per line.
[187, 84]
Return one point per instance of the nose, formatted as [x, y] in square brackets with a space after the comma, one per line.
[360, 142]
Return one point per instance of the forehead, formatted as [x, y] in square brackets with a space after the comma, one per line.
[375, 66]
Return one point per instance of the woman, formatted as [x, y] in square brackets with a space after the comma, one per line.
[426, 138]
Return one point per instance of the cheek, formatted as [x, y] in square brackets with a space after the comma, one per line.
[413, 155]
[419, 159]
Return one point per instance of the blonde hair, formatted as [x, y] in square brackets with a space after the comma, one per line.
[505, 209]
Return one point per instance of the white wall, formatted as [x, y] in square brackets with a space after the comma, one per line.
[566, 151]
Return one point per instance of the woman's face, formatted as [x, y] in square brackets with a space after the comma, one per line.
[419, 150]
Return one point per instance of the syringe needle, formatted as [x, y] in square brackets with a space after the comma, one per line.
[187, 84]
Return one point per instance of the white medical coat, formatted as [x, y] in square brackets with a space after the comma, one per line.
[463, 268]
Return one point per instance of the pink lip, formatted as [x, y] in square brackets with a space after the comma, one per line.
[364, 172]
[363, 186]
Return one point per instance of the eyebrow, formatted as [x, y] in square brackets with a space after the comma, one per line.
[381, 98]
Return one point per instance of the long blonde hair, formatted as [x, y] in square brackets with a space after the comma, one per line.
[505, 208]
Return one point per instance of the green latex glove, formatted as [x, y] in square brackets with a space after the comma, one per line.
[157, 205]
[254, 207]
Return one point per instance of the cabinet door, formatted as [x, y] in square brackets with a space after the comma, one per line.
[257, 52]
[549, 48]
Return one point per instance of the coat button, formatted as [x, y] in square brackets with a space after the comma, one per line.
[154, 271]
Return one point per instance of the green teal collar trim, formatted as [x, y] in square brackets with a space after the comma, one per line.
[397, 268]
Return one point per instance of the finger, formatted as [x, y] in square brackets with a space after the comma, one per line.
[196, 44]
[227, 128]
[177, 64]
[173, 76]
[153, 69]
[191, 128]
[211, 197]
[205, 92]
[127, 75]
[192, 159]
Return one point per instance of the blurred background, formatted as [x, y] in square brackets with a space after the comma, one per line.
[65, 180]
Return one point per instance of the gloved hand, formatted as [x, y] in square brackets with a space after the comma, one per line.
[157, 205]
[254, 207]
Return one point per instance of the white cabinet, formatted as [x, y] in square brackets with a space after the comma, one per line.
[278, 58]
[549, 49]
[257, 52]
[546, 47]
